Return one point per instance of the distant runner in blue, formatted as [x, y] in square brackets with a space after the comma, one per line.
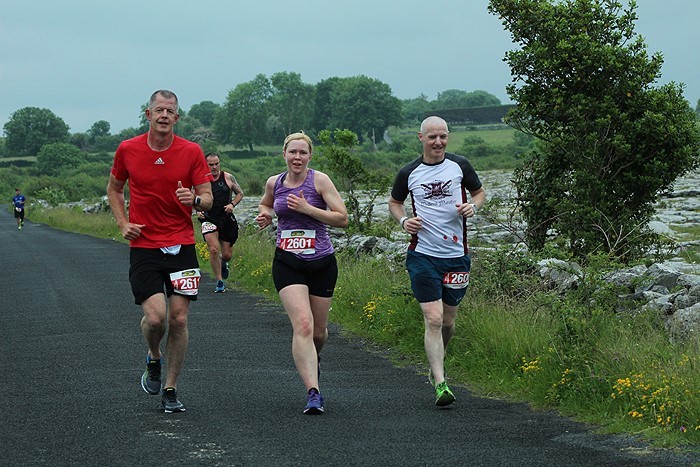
[18, 201]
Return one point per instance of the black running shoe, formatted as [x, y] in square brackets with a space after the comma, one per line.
[224, 270]
[150, 379]
[169, 401]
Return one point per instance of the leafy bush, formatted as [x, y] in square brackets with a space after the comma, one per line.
[336, 154]
[53, 159]
[53, 196]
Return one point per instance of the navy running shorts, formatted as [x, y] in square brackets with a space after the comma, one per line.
[430, 277]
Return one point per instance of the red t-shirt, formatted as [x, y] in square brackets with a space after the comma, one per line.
[152, 177]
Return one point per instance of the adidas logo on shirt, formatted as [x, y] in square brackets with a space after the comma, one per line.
[159, 161]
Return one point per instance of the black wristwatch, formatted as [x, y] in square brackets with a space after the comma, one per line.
[197, 201]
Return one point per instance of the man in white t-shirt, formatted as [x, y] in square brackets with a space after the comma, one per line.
[444, 191]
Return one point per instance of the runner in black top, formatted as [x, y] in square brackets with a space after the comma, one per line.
[219, 225]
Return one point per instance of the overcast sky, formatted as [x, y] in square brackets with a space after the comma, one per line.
[90, 60]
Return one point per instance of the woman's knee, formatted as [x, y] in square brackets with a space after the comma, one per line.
[304, 327]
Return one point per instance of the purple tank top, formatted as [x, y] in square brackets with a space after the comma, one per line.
[289, 220]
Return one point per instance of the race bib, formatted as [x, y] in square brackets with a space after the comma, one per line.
[455, 280]
[208, 227]
[186, 282]
[302, 242]
[18, 209]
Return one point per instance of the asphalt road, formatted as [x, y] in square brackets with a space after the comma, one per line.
[71, 355]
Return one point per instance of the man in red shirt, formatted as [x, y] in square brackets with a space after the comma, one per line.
[167, 176]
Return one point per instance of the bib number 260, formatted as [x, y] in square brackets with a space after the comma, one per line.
[456, 280]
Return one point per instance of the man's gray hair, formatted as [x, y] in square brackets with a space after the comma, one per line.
[166, 94]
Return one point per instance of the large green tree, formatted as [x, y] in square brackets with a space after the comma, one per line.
[291, 104]
[99, 128]
[612, 142]
[363, 105]
[322, 105]
[414, 109]
[243, 117]
[29, 128]
[205, 112]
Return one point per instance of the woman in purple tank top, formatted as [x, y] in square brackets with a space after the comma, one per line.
[304, 269]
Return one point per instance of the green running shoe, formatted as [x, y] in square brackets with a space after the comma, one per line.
[443, 395]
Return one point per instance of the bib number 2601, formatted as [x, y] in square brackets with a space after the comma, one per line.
[302, 242]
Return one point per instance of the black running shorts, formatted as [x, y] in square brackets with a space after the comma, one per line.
[227, 228]
[319, 275]
[150, 269]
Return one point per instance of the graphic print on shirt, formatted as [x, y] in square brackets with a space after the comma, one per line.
[437, 189]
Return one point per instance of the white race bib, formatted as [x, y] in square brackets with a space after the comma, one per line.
[455, 280]
[208, 227]
[186, 282]
[300, 241]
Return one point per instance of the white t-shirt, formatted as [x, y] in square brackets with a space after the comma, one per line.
[435, 192]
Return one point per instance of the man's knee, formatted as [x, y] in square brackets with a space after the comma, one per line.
[177, 318]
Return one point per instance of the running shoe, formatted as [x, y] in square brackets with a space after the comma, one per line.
[314, 403]
[220, 287]
[169, 401]
[150, 379]
[19, 227]
[224, 270]
[443, 395]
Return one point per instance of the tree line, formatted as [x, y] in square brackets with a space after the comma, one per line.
[258, 112]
